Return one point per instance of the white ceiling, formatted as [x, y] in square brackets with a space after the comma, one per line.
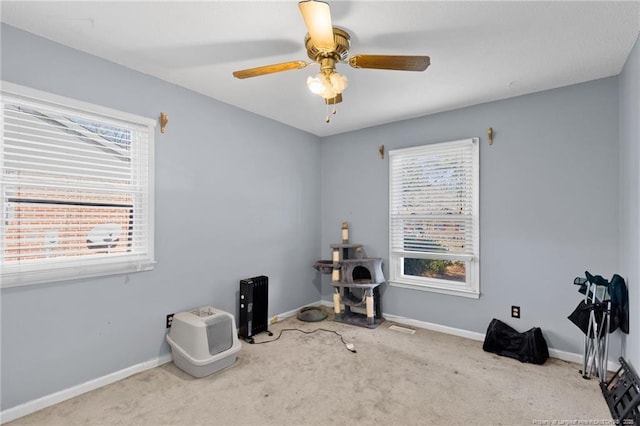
[480, 51]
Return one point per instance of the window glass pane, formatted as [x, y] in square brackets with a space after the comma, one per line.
[37, 230]
[121, 137]
[433, 217]
[70, 192]
[436, 268]
[77, 189]
[442, 235]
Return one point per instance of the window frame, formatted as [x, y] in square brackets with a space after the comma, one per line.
[471, 287]
[68, 267]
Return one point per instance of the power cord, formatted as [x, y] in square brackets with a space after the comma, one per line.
[350, 346]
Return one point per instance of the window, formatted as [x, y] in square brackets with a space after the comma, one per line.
[433, 217]
[77, 189]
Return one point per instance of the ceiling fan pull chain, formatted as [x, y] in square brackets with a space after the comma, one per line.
[327, 119]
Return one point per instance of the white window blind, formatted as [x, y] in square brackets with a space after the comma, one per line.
[77, 189]
[434, 204]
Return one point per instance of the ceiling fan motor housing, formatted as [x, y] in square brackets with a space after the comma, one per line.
[340, 52]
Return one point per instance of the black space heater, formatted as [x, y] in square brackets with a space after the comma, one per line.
[254, 305]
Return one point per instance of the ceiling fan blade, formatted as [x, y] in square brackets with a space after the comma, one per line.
[317, 18]
[390, 62]
[269, 69]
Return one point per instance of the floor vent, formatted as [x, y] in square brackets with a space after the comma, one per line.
[402, 329]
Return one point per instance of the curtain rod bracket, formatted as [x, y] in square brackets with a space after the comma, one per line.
[164, 119]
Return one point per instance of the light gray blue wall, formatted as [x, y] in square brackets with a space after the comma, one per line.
[630, 195]
[237, 195]
[548, 205]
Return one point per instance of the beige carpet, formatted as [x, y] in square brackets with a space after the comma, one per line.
[427, 378]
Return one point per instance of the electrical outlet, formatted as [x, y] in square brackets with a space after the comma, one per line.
[169, 320]
[515, 311]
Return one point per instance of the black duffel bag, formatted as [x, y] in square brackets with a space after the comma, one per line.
[503, 340]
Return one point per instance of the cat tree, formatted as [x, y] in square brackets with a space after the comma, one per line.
[352, 273]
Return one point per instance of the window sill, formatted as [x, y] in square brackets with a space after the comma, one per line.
[468, 293]
[68, 273]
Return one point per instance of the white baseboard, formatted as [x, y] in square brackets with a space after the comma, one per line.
[294, 312]
[435, 327]
[63, 395]
[577, 358]
[554, 353]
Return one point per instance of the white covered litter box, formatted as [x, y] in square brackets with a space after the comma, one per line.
[203, 341]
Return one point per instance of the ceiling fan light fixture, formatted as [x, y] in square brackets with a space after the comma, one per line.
[327, 86]
[338, 81]
[315, 84]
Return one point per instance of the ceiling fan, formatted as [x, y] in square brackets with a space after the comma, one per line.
[327, 46]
